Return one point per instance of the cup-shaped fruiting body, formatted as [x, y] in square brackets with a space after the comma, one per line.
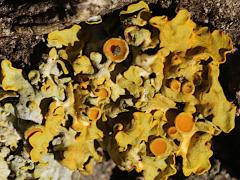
[184, 122]
[175, 85]
[94, 113]
[116, 49]
[188, 88]
[171, 130]
[158, 146]
[102, 93]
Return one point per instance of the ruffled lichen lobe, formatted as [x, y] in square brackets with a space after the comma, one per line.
[123, 99]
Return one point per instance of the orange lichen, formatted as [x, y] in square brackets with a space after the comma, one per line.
[175, 85]
[184, 122]
[188, 88]
[158, 146]
[116, 49]
[102, 93]
[172, 130]
[94, 113]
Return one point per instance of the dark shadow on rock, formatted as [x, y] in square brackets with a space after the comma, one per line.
[226, 146]
[230, 75]
[40, 51]
[117, 174]
[226, 149]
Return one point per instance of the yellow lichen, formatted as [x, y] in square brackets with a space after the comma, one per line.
[83, 65]
[81, 154]
[183, 29]
[12, 78]
[41, 138]
[139, 37]
[133, 104]
[197, 158]
[216, 104]
[135, 7]
[64, 37]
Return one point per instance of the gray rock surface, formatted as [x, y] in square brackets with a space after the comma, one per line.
[221, 14]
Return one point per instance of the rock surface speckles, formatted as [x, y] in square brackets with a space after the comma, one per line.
[220, 14]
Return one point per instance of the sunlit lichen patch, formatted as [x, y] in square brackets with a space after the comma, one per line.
[122, 95]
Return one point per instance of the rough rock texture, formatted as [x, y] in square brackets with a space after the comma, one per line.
[221, 14]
